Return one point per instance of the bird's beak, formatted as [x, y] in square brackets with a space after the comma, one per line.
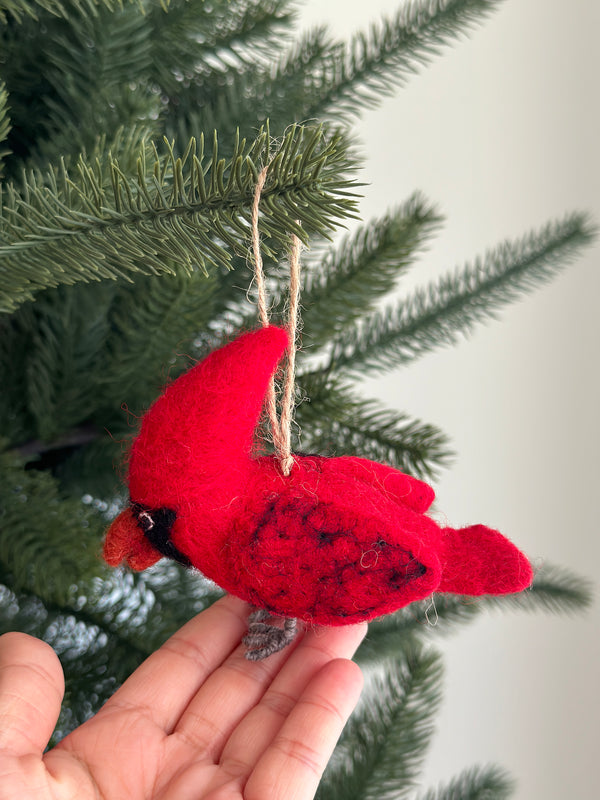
[125, 541]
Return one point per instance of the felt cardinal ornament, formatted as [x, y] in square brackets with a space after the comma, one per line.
[335, 542]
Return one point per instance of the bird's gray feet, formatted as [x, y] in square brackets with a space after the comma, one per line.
[265, 638]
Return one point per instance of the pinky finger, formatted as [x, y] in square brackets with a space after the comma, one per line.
[292, 766]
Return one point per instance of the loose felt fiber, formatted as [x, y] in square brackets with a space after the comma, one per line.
[337, 541]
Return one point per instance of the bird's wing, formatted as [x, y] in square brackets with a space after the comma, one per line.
[405, 489]
[318, 557]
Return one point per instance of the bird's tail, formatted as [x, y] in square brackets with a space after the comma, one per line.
[478, 560]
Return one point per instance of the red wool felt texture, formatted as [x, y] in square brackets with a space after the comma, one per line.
[338, 541]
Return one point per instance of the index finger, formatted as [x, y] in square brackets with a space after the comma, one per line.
[164, 684]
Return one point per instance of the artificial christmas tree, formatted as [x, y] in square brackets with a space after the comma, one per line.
[123, 258]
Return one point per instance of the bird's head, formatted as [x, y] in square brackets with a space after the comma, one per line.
[192, 455]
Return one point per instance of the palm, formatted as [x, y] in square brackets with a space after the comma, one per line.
[195, 721]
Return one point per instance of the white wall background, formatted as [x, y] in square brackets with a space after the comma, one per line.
[502, 132]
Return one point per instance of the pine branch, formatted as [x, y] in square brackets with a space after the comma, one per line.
[47, 541]
[148, 320]
[144, 609]
[5, 125]
[96, 468]
[250, 95]
[344, 282]
[438, 315]
[385, 741]
[334, 421]
[91, 54]
[19, 10]
[282, 89]
[375, 64]
[66, 343]
[58, 65]
[477, 783]
[396, 632]
[322, 78]
[197, 42]
[52, 69]
[104, 628]
[554, 589]
[77, 358]
[177, 213]
[50, 354]
[95, 659]
[363, 269]
[88, 57]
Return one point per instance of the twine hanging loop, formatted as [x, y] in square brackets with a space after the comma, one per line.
[280, 426]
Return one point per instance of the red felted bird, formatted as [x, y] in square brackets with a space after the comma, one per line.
[335, 542]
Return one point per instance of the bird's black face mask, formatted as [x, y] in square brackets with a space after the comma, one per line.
[156, 523]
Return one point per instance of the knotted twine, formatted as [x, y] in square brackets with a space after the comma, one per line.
[280, 426]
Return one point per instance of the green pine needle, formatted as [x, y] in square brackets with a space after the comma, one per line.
[334, 421]
[103, 628]
[375, 64]
[365, 267]
[90, 59]
[145, 318]
[19, 10]
[4, 125]
[478, 783]
[178, 213]
[554, 589]
[438, 315]
[120, 337]
[321, 77]
[342, 283]
[47, 541]
[197, 43]
[384, 745]
[53, 68]
[66, 332]
[95, 656]
[242, 97]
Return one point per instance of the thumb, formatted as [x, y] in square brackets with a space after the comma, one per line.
[31, 692]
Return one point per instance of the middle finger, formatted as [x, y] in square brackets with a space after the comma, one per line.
[260, 725]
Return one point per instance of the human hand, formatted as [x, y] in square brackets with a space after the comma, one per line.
[196, 721]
